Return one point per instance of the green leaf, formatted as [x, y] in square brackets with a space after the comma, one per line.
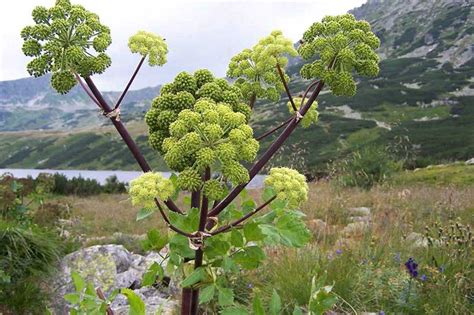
[236, 238]
[216, 247]
[144, 213]
[247, 206]
[229, 265]
[157, 241]
[272, 234]
[179, 245]
[322, 299]
[268, 193]
[188, 222]
[292, 230]
[225, 296]
[207, 294]
[250, 257]
[79, 283]
[197, 275]
[73, 298]
[235, 310]
[154, 271]
[257, 306]
[187, 200]
[297, 311]
[252, 232]
[137, 307]
[275, 303]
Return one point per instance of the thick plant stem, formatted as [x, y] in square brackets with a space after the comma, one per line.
[187, 293]
[132, 146]
[257, 167]
[199, 252]
[186, 296]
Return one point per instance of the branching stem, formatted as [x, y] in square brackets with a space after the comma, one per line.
[242, 219]
[129, 83]
[287, 89]
[269, 132]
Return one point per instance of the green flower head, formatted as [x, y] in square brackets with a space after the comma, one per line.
[255, 69]
[288, 184]
[66, 39]
[148, 186]
[341, 45]
[151, 45]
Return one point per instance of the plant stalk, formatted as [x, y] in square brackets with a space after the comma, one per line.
[129, 83]
[132, 146]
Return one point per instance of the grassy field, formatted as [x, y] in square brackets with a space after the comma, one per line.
[363, 254]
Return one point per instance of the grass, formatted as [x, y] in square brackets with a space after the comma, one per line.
[366, 266]
[458, 174]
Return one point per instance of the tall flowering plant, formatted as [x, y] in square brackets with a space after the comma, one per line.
[200, 125]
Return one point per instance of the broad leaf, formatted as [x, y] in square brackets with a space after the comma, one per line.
[179, 245]
[157, 240]
[292, 230]
[225, 296]
[188, 222]
[196, 276]
[250, 257]
[236, 238]
[79, 283]
[155, 271]
[275, 303]
[207, 294]
[252, 232]
[137, 307]
[215, 247]
[73, 298]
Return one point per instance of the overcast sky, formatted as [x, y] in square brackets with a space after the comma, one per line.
[199, 34]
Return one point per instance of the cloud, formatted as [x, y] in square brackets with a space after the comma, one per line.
[200, 34]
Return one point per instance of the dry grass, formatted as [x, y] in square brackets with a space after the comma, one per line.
[104, 215]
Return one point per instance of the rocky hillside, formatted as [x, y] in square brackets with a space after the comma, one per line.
[422, 100]
[31, 104]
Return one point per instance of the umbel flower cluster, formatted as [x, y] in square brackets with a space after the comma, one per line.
[289, 185]
[255, 69]
[311, 116]
[66, 39]
[148, 186]
[151, 45]
[340, 44]
[199, 122]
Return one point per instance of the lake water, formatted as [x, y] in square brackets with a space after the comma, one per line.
[100, 176]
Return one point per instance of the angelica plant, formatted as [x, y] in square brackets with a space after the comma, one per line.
[200, 125]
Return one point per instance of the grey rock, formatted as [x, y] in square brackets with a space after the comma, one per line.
[360, 211]
[470, 161]
[108, 267]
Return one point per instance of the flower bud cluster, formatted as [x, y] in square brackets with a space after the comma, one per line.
[148, 186]
[341, 45]
[311, 116]
[200, 122]
[63, 41]
[288, 184]
[151, 45]
[255, 69]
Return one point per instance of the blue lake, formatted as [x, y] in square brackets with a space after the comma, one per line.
[100, 176]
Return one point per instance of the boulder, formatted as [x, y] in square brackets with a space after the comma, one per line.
[360, 211]
[108, 267]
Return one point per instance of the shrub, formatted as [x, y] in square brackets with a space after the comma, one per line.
[366, 167]
[27, 254]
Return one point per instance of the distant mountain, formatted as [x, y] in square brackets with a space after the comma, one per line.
[31, 104]
[423, 100]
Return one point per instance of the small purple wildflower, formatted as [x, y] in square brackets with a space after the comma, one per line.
[381, 313]
[339, 251]
[250, 286]
[412, 267]
[423, 277]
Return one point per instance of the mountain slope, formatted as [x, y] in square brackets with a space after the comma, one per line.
[423, 100]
